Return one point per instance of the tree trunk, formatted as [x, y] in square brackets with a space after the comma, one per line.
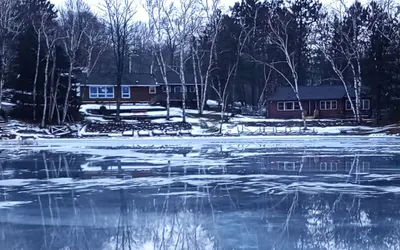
[46, 80]
[52, 83]
[357, 84]
[2, 71]
[118, 93]
[183, 81]
[2, 81]
[201, 96]
[303, 116]
[195, 80]
[163, 69]
[54, 102]
[35, 80]
[66, 100]
[208, 72]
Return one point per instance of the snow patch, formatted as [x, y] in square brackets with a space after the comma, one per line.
[9, 204]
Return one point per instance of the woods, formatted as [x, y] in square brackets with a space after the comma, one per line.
[237, 56]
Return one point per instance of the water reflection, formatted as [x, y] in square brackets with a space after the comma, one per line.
[200, 197]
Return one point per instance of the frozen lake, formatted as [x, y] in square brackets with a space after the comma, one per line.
[234, 193]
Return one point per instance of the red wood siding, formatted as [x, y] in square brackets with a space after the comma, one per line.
[309, 107]
[138, 94]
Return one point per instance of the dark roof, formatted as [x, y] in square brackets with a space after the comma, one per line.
[143, 79]
[173, 77]
[127, 79]
[311, 93]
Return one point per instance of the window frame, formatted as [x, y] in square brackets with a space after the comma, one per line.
[295, 106]
[178, 87]
[347, 105]
[363, 101]
[102, 95]
[325, 102]
[128, 96]
[164, 89]
[191, 89]
[152, 90]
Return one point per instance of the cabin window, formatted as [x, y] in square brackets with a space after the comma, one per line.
[152, 90]
[348, 105]
[328, 105]
[288, 106]
[164, 88]
[178, 89]
[365, 104]
[101, 92]
[191, 89]
[289, 165]
[125, 92]
[328, 166]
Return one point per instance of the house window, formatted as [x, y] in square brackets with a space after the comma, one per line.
[288, 166]
[164, 88]
[152, 90]
[328, 105]
[281, 106]
[178, 89]
[328, 166]
[125, 92]
[365, 104]
[288, 106]
[348, 105]
[101, 92]
[191, 89]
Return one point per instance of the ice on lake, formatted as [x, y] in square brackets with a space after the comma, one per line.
[282, 193]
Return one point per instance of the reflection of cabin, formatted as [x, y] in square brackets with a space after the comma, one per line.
[317, 102]
[317, 165]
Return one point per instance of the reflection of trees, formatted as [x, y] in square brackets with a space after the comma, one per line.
[222, 217]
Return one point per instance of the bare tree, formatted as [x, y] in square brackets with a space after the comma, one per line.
[96, 42]
[158, 33]
[9, 28]
[221, 89]
[184, 24]
[74, 33]
[51, 36]
[279, 24]
[345, 55]
[120, 23]
[333, 56]
[213, 20]
[40, 24]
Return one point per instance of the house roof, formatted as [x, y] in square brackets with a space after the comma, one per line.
[310, 93]
[127, 79]
[173, 77]
[142, 79]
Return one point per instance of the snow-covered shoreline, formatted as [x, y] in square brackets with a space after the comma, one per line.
[120, 141]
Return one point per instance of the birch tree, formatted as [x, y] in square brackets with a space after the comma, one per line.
[119, 15]
[204, 59]
[182, 20]
[338, 60]
[280, 21]
[156, 9]
[74, 32]
[9, 28]
[51, 36]
[342, 45]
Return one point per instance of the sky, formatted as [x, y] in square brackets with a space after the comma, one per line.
[142, 15]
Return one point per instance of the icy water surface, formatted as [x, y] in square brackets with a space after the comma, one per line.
[307, 193]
